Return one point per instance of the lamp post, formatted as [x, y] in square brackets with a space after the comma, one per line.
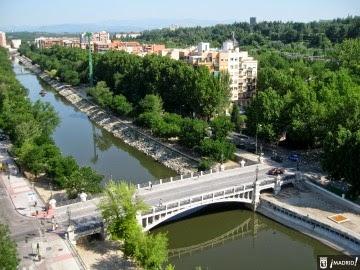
[68, 211]
[256, 138]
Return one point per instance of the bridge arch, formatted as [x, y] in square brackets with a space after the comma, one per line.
[156, 218]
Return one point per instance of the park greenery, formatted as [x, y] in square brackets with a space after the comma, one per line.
[317, 104]
[285, 36]
[8, 254]
[119, 208]
[171, 98]
[314, 102]
[30, 126]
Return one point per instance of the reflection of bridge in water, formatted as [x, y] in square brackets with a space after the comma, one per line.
[249, 227]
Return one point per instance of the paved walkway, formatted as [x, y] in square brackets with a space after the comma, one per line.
[27, 228]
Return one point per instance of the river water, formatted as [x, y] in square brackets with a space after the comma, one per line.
[220, 237]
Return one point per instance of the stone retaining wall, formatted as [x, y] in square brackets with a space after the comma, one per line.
[331, 236]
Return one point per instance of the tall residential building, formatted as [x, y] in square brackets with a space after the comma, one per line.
[252, 20]
[241, 68]
[15, 43]
[101, 39]
[2, 39]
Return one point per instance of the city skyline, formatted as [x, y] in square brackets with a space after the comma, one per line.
[159, 13]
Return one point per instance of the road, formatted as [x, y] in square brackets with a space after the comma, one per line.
[168, 192]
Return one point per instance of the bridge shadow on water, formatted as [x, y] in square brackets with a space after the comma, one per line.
[209, 227]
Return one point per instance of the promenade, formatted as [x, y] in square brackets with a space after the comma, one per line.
[18, 211]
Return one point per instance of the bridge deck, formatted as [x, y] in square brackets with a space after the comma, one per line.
[191, 187]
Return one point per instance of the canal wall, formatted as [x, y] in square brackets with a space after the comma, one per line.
[333, 197]
[124, 130]
[342, 241]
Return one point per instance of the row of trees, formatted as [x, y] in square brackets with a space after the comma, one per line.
[185, 90]
[119, 209]
[191, 133]
[317, 104]
[30, 127]
[313, 34]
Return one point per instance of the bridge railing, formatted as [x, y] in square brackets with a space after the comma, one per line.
[182, 177]
[199, 198]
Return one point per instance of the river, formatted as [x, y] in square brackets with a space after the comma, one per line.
[222, 237]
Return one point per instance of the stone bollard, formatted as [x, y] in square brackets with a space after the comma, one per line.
[83, 196]
[211, 171]
[181, 177]
[160, 181]
[138, 186]
[171, 179]
[191, 175]
[242, 163]
[201, 173]
[222, 167]
[52, 203]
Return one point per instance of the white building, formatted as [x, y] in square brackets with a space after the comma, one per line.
[127, 35]
[15, 43]
[2, 39]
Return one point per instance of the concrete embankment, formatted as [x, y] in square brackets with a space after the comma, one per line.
[313, 220]
[165, 154]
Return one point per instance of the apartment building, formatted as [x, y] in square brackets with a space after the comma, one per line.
[100, 41]
[2, 39]
[130, 46]
[47, 42]
[241, 68]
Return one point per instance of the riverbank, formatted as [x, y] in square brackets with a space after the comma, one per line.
[308, 212]
[162, 152]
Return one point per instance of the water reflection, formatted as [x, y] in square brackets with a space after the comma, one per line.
[229, 237]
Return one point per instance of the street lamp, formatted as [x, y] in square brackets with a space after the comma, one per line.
[256, 138]
[68, 211]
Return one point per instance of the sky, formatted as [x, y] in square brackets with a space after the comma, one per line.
[48, 12]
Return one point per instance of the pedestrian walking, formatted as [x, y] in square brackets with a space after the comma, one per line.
[160, 202]
[56, 226]
[150, 186]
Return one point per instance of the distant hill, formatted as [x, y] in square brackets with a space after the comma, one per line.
[111, 26]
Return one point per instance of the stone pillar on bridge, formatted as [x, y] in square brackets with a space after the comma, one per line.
[242, 163]
[71, 234]
[83, 196]
[256, 195]
[277, 187]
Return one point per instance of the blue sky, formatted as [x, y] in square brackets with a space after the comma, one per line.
[45, 12]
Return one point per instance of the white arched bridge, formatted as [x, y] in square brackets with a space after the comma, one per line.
[174, 199]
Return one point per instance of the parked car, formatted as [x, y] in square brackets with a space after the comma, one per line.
[277, 158]
[294, 157]
[276, 171]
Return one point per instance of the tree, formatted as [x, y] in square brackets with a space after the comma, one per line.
[61, 167]
[153, 251]
[118, 206]
[46, 116]
[218, 150]
[151, 103]
[102, 94]
[121, 106]
[149, 119]
[237, 119]
[192, 132]
[83, 180]
[8, 254]
[221, 126]
[341, 157]
[71, 77]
